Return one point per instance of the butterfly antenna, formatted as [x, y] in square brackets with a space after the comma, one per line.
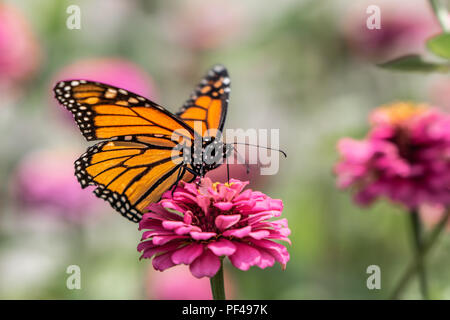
[263, 147]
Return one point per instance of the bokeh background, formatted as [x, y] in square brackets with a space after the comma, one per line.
[306, 67]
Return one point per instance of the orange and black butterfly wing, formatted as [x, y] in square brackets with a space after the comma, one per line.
[134, 167]
[208, 103]
[131, 174]
[103, 111]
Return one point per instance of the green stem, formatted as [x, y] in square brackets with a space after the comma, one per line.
[441, 13]
[427, 246]
[418, 244]
[217, 286]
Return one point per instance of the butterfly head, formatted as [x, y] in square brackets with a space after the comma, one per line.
[210, 155]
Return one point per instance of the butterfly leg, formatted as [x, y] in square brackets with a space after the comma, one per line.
[240, 158]
[195, 173]
[228, 170]
[202, 175]
[191, 171]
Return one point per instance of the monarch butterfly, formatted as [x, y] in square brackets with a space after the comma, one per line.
[139, 158]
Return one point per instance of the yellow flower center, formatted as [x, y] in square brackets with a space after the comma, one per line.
[215, 184]
[398, 113]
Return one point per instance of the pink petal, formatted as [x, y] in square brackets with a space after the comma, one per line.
[145, 245]
[244, 195]
[259, 217]
[238, 185]
[285, 232]
[160, 210]
[160, 240]
[278, 251]
[169, 204]
[238, 233]
[225, 221]
[261, 234]
[223, 247]
[186, 229]
[282, 222]
[202, 235]
[163, 261]
[192, 187]
[184, 197]
[245, 256]
[276, 204]
[188, 217]
[245, 206]
[226, 193]
[267, 204]
[187, 254]
[149, 234]
[206, 265]
[280, 238]
[267, 260]
[224, 206]
[203, 203]
[150, 215]
[149, 223]
[170, 225]
[151, 249]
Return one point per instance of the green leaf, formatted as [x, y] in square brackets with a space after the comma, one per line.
[440, 45]
[414, 63]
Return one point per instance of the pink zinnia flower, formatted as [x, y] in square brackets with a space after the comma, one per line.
[405, 157]
[44, 181]
[204, 221]
[19, 50]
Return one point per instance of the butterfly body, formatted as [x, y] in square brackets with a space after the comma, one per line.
[207, 155]
[146, 150]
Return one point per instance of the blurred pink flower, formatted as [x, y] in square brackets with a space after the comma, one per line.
[179, 284]
[440, 91]
[19, 50]
[214, 220]
[204, 25]
[405, 157]
[405, 26]
[46, 180]
[432, 215]
[113, 71]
